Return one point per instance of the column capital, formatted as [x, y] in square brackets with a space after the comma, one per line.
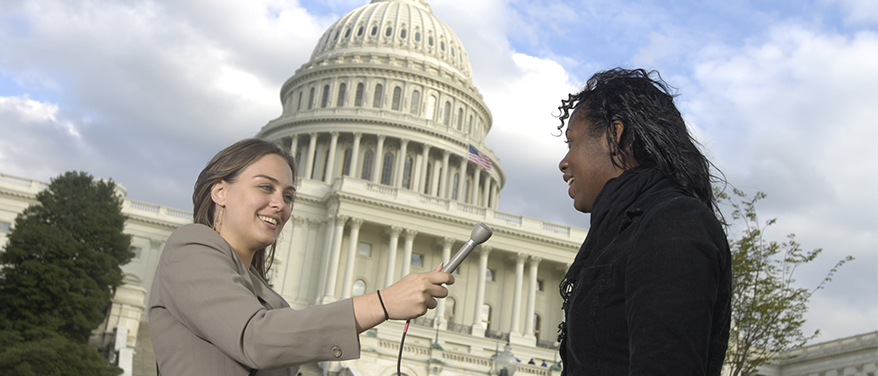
[358, 134]
[403, 141]
[381, 137]
[312, 134]
[535, 260]
[485, 250]
[155, 243]
[298, 221]
[446, 153]
[341, 218]
[394, 230]
[356, 223]
[447, 241]
[410, 234]
[334, 133]
[521, 257]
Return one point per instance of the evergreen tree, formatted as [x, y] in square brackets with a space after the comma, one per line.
[767, 309]
[62, 261]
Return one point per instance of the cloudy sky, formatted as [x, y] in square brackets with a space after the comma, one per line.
[782, 94]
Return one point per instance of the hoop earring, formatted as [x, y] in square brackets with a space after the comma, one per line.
[218, 219]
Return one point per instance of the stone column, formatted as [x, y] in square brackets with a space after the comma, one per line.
[443, 189]
[531, 297]
[461, 183]
[391, 254]
[355, 154]
[484, 251]
[378, 162]
[308, 273]
[353, 241]
[312, 152]
[486, 188]
[433, 190]
[334, 255]
[425, 160]
[294, 146]
[515, 327]
[330, 160]
[477, 173]
[295, 261]
[400, 163]
[439, 322]
[407, 252]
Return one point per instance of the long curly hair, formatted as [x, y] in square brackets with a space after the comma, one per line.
[227, 166]
[655, 134]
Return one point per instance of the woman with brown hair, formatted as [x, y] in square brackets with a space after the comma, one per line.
[212, 312]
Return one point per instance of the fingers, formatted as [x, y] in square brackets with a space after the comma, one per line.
[411, 296]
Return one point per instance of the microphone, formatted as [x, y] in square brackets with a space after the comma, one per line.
[480, 234]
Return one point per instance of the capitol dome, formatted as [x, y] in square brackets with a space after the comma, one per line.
[405, 28]
[388, 97]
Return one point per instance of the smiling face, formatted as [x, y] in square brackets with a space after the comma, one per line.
[256, 205]
[588, 164]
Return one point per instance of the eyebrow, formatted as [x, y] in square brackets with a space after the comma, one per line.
[273, 180]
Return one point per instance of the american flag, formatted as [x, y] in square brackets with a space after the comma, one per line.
[475, 156]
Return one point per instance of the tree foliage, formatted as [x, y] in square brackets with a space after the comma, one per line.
[61, 264]
[767, 308]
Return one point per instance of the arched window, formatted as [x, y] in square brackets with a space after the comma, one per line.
[416, 102]
[379, 94]
[325, 102]
[325, 165]
[299, 105]
[466, 191]
[311, 99]
[387, 170]
[358, 101]
[470, 126]
[454, 186]
[388, 32]
[431, 107]
[359, 288]
[447, 118]
[449, 310]
[402, 34]
[347, 33]
[407, 173]
[346, 165]
[374, 30]
[397, 99]
[341, 93]
[417, 36]
[367, 165]
[460, 119]
[360, 31]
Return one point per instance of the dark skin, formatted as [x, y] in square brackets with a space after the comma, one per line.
[588, 164]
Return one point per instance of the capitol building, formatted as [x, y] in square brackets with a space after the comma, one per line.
[394, 172]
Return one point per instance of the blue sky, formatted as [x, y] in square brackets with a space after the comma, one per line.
[782, 94]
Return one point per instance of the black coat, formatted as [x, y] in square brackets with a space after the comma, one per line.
[649, 292]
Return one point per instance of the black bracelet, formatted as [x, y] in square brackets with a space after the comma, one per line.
[386, 316]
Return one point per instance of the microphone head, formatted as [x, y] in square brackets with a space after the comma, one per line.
[481, 233]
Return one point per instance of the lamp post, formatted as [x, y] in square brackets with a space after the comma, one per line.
[505, 362]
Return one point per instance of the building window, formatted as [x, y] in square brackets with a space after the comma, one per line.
[416, 102]
[417, 36]
[341, 92]
[311, 99]
[539, 285]
[470, 126]
[431, 107]
[442, 46]
[466, 191]
[360, 31]
[402, 34]
[359, 288]
[374, 30]
[489, 275]
[137, 251]
[299, 105]
[429, 180]
[358, 101]
[379, 94]
[407, 173]
[346, 165]
[5, 227]
[347, 33]
[367, 165]
[447, 118]
[417, 260]
[388, 32]
[325, 102]
[387, 169]
[364, 249]
[430, 40]
[397, 99]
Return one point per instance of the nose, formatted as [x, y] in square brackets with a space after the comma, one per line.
[563, 164]
[277, 201]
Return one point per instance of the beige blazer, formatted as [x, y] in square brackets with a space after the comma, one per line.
[210, 316]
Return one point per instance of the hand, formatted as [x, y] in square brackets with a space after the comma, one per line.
[411, 296]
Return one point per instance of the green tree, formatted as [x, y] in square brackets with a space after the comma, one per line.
[767, 309]
[61, 266]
